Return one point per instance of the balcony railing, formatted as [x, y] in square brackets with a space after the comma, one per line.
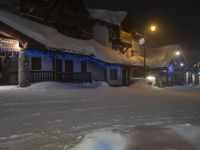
[125, 37]
[37, 76]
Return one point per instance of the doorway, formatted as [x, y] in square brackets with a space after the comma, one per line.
[5, 69]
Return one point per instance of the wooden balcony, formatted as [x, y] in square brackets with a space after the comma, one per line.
[37, 76]
[125, 37]
[121, 39]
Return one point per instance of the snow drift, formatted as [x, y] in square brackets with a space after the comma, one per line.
[101, 140]
[171, 137]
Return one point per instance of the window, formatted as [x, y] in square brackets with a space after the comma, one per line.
[69, 66]
[113, 74]
[136, 73]
[36, 63]
[59, 65]
[83, 67]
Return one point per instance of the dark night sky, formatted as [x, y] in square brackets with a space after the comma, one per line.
[178, 20]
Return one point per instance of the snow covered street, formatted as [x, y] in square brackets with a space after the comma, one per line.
[57, 116]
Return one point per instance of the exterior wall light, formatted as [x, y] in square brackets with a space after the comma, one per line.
[177, 53]
[181, 64]
[152, 79]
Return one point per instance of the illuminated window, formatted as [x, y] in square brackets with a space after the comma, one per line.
[36, 63]
[113, 74]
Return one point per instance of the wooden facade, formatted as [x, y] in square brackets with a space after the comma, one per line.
[35, 68]
[37, 63]
[120, 36]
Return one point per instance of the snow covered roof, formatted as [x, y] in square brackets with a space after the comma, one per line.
[161, 56]
[158, 57]
[51, 38]
[113, 17]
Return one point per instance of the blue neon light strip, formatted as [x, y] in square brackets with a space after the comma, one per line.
[70, 56]
[171, 68]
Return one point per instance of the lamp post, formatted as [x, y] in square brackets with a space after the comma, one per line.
[142, 42]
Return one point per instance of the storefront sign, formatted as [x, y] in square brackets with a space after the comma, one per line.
[9, 43]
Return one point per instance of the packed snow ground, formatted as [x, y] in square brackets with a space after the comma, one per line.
[58, 116]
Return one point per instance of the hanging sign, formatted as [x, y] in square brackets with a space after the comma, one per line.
[9, 43]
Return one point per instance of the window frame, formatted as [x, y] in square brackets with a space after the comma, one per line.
[59, 65]
[69, 66]
[36, 63]
[83, 67]
[113, 74]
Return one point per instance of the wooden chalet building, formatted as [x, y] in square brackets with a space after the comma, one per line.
[163, 66]
[34, 49]
[167, 67]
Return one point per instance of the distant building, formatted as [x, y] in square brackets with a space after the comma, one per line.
[164, 66]
[192, 74]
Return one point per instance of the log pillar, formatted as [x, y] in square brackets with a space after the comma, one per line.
[23, 70]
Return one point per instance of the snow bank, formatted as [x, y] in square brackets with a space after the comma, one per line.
[178, 136]
[101, 140]
[143, 83]
[189, 132]
[45, 86]
[9, 87]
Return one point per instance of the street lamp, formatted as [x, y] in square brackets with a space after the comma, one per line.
[153, 28]
[142, 42]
